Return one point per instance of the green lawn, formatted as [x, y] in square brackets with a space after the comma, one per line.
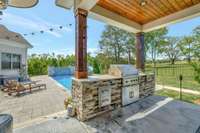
[167, 74]
[174, 94]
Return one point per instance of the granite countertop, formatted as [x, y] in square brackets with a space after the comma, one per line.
[97, 78]
[103, 77]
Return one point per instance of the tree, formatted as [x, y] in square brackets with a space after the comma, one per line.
[95, 66]
[196, 43]
[153, 41]
[38, 64]
[104, 62]
[116, 42]
[186, 46]
[196, 66]
[171, 48]
[129, 47]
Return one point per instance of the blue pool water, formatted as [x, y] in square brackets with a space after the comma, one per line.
[64, 80]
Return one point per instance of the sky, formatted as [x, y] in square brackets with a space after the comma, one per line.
[45, 16]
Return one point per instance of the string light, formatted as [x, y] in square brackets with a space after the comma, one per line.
[50, 29]
[41, 31]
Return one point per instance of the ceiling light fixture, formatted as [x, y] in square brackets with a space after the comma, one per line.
[143, 2]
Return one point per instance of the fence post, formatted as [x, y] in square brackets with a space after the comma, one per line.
[181, 79]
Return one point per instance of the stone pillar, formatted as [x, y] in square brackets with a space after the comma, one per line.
[81, 44]
[140, 55]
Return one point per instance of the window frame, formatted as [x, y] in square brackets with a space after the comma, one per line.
[11, 61]
[2, 61]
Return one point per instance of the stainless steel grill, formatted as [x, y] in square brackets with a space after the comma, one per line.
[130, 82]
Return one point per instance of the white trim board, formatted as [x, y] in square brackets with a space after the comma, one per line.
[14, 44]
[114, 19]
[180, 16]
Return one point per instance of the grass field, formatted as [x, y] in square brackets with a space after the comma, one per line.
[167, 74]
[173, 94]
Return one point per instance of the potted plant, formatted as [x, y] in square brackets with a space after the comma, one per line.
[67, 101]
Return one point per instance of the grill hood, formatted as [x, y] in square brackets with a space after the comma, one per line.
[123, 70]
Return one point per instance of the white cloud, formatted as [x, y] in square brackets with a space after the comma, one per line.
[34, 25]
[93, 51]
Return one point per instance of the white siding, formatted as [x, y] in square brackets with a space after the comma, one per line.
[14, 50]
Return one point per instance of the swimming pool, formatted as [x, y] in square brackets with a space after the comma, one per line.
[65, 81]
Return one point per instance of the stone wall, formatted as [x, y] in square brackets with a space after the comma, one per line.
[86, 97]
[85, 94]
[146, 85]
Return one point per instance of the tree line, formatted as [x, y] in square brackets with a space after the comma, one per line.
[117, 46]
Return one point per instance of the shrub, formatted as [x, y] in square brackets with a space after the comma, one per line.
[196, 66]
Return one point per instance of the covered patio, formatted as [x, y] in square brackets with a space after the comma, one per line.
[148, 114]
[136, 16]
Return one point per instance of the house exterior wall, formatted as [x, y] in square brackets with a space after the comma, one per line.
[13, 48]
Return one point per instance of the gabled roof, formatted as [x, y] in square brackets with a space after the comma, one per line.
[13, 36]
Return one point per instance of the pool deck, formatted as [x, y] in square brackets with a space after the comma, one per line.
[31, 106]
[154, 114]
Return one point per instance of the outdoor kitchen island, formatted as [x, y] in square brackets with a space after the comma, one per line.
[101, 93]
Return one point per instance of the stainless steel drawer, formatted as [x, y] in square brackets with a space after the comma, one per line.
[130, 94]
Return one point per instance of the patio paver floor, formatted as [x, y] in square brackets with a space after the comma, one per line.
[36, 104]
[154, 114]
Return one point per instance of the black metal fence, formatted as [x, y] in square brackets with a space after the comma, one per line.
[168, 75]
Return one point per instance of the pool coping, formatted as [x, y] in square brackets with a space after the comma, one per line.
[61, 86]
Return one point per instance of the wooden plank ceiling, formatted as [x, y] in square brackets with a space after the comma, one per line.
[152, 10]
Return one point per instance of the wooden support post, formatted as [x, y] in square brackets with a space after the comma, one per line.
[81, 44]
[140, 55]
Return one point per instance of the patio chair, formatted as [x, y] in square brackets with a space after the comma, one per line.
[8, 85]
[18, 88]
[26, 87]
[35, 86]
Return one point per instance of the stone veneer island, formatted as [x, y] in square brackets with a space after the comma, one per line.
[86, 93]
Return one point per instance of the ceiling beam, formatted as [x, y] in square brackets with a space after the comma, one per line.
[182, 15]
[111, 18]
[67, 4]
[85, 4]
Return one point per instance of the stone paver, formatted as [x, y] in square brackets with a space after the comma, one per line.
[36, 104]
[157, 115]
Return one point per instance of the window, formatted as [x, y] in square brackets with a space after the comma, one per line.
[6, 61]
[16, 61]
[10, 61]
